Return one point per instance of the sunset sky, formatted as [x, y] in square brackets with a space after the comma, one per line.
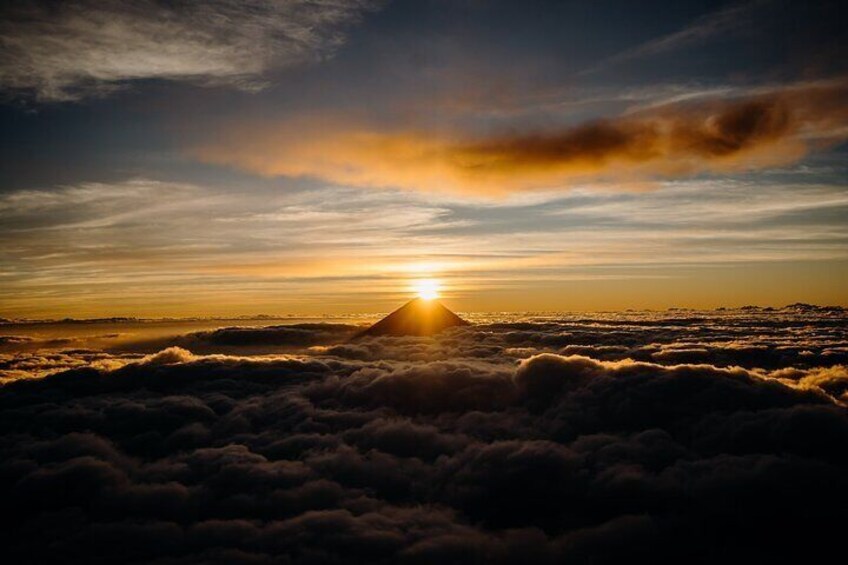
[377, 282]
[322, 156]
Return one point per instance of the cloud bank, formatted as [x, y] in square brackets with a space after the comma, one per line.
[713, 135]
[62, 51]
[472, 447]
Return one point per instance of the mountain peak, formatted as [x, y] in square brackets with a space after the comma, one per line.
[418, 317]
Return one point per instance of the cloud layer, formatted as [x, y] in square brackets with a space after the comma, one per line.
[750, 132]
[470, 447]
[70, 50]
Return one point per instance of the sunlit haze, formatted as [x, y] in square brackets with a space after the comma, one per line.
[427, 289]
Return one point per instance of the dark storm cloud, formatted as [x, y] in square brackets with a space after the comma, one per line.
[448, 449]
[69, 50]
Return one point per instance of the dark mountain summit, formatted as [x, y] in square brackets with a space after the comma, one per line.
[416, 317]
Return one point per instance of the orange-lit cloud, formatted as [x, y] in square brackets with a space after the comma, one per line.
[718, 135]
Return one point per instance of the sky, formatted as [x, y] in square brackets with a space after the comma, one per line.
[321, 156]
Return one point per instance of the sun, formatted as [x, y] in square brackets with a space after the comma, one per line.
[427, 289]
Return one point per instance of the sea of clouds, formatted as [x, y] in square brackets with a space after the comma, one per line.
[655, 437]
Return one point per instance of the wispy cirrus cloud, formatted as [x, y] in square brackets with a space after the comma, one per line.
[147, 247]
[72, 50]
[726, 20]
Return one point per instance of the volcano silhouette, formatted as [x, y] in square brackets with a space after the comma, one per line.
[416, 317]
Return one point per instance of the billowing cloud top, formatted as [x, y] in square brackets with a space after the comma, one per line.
[494, 443]
[68, 50]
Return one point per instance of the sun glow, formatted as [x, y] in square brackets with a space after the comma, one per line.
[427, 289]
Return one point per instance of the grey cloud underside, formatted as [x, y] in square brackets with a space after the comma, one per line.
[472, 446]
[71, 50]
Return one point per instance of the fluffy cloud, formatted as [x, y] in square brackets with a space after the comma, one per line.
[713, 135]
[447, 449]
[36, 364]
[68, 50]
